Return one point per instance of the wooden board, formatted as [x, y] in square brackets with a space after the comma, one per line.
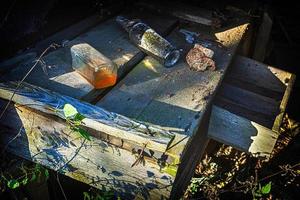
[263, 38]
[108, 37]
[176, 98]
[50, 142]
[241, 133]
[257, 77]
[262, 91]
[248, 104]
[95, 118]
[181, 11]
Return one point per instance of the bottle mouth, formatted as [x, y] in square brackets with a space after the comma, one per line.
[172, 58]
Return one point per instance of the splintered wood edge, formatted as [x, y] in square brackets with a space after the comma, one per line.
[96, 117]
[241, 133]
[283, 104]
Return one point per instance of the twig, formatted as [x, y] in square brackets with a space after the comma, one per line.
[290, 41]
[57, 177]
[26, 75]
[8, 12]
[17, 135]
[60, 186]
[76, 153]
[140, 156]
[262, 179]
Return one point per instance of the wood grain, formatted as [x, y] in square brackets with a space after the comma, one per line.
[175, 98]
[96, 118]
[56, 73]
[50, 142]
[182, 11]
[263, 38]
[241, 133]
[284, 103]
[257, 77]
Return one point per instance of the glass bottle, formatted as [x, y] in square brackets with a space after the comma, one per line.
[100, 71]
[149, 41]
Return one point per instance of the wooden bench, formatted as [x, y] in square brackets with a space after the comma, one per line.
[158, 103]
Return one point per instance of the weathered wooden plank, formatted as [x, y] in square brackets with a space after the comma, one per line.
[263, 38]
[249, 100]
[108, 37]
[175, 98]
[227, 104]
[96, 118]
[7, 65]
[283, 104]
[241, 133]
[50, 142]
[257, 77]
[264, 80]
[182, 11]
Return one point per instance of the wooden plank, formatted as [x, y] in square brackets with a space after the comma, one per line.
[263, 38]
[82, 26]
[257, 77]
[49, 141]
[248, 104]
[175, 98]
[241, 133]
[283, 104]
[108, 37]
[96, 118]
[7, 65]
[249, 100]
[265, 120]
[182, 11]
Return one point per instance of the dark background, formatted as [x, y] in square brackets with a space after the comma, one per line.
[25, 22]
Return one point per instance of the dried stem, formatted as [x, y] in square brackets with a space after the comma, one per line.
[26, 75]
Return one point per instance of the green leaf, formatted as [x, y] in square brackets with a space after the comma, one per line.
[266, 188]
[69, 110]
[46, 174]
[33, 178]
[171, 169]
[78, 117]
[86, 196]
[13, 184]
[84, 133]
[25, 181]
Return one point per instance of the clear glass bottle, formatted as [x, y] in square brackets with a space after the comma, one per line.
[100, 71]
[149, 41]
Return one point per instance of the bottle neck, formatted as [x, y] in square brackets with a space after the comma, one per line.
[126, 23]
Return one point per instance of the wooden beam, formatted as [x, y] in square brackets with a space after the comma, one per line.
[257, 77]
[263, 38]
[181, 11]
[96, 118]
[241, 133]
[250, 100]
[283, 104]
[260, 84]
[50, 142]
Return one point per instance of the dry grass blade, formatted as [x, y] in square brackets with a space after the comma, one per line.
[26, 75]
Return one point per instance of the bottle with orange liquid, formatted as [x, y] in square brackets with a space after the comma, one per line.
[100, 71]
